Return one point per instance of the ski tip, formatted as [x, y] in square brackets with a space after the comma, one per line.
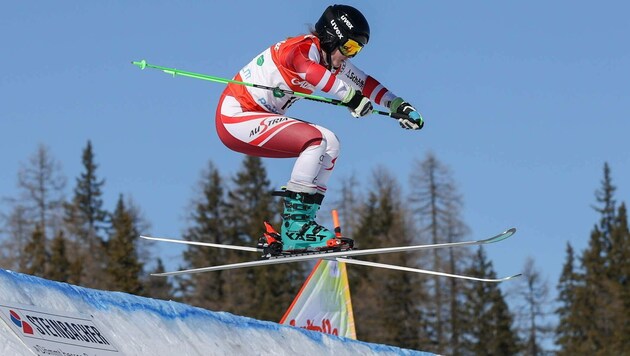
[512, 277]
[509, 232]
[141, 64]
[502, 236]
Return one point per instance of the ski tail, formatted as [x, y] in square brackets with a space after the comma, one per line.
[423, 271]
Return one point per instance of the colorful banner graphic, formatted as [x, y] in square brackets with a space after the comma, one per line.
[323, 304]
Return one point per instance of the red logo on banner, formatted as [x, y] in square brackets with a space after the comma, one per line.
[326, 327]
[17, 320]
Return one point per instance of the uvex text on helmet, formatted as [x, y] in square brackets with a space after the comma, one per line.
[339, 23]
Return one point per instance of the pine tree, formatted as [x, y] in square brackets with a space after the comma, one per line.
[85, 219]
[455, 230]
[568, 332]
[349, 204]
[17, 231]
[35, 252]
[123, 267]
[42, 185]
[605, 196]
[87, 203]
[618, 275]
[158, 287]
[41, 188]
[488, 321]
[59, 265]
[619, 255]
[595, 308]
[249, 204]
[598, 300]
[388, 309]
[75, 270]
[592, 298]
[437, 207]
[534, 294]
[208, 222]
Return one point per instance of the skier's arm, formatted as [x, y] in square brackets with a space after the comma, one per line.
[369, 86]
[304, 60]
[379, 94]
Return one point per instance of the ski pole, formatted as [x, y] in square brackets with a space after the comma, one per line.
[277, 92]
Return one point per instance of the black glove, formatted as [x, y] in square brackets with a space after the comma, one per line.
[414, 122]
[358, 104]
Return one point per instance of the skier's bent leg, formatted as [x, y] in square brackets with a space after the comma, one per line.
[306, 169]
[329, 159]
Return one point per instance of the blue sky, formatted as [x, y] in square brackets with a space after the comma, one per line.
[524, 101]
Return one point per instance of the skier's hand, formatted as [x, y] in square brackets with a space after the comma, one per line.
[414, 122]
[358, 104]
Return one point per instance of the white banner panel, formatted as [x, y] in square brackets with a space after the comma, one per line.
[49, 332]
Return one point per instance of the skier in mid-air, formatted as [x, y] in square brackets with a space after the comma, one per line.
[252, 121]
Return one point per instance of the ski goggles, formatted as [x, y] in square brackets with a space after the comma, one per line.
[350, 48]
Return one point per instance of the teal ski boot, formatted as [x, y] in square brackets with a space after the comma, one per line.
[299, 230]
[300, 233]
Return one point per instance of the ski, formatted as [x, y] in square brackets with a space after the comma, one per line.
[331, 254]
[422, 271]
[198, 243]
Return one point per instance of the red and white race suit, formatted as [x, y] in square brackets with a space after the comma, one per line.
[252, 121]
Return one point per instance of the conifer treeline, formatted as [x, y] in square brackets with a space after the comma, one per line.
[77, 241]
[73, 240]
[594, 289]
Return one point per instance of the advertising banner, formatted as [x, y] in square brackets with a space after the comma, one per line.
[323, 304]
[48, 332]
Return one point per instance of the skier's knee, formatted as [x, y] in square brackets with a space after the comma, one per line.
[333, 146]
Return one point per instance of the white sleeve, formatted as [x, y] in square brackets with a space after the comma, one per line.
[369, 86]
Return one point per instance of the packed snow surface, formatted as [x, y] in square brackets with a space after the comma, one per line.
[133, 325]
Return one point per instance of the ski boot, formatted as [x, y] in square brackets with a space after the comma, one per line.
[300, 232]
[270, 243]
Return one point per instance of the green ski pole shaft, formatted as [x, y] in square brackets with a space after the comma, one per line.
[277, 92]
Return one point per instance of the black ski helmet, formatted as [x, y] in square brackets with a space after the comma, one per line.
[339, 23]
